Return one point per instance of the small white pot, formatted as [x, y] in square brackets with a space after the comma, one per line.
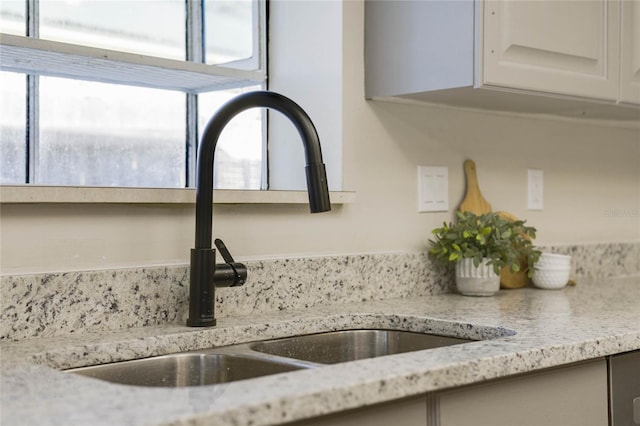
[476, 281]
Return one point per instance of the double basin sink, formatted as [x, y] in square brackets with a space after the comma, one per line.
[250, 360]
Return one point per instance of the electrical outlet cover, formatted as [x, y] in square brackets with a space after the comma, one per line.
[535, 193]
[433, 189]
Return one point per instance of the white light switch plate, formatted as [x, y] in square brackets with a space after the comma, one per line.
[433, 189]
[535, 193]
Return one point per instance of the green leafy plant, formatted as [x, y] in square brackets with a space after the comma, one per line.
[490, 236]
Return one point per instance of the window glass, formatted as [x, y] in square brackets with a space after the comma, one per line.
[110, 135]
[12, 17]
[240, 148]
[98, 134]
[13, 109]
[149, 27]
[228, 30]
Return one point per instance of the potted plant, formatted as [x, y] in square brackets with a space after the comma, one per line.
[479, 246]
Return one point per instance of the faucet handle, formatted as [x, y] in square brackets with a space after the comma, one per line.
[223, 251]
[230, 273]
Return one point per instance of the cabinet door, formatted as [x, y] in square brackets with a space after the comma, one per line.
[556, 46]
[568, 396]
[624, 394]
[408, 412]
[630, 52]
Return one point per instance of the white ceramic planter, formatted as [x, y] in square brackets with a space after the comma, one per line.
[476, 281]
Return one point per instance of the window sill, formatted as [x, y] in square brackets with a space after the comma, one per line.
[36, 194]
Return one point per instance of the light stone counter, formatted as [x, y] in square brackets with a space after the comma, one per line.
[527, 330]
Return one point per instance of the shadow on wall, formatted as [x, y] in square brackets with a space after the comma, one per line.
[593, 164]
[451, 132]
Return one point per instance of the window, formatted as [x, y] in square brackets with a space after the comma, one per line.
[115, 93]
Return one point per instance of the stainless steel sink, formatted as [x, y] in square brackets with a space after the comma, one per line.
[186, 369]
[250, 360]
[351, 345]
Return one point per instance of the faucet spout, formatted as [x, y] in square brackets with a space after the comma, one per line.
[202, 286]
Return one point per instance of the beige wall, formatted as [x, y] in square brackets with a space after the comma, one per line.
[591, 171]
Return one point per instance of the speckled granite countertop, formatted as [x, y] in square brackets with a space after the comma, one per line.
[527, 329]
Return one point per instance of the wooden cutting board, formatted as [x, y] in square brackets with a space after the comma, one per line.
[473, 200]
[475, 203]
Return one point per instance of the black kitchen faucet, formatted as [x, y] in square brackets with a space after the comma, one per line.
[203, 266]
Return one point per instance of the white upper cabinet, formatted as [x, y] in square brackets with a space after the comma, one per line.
[630, 52]
[561, 47]
[577, 58]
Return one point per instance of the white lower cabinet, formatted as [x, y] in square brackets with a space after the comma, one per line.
[564, 396]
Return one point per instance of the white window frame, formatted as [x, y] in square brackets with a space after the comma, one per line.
[297, 84]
